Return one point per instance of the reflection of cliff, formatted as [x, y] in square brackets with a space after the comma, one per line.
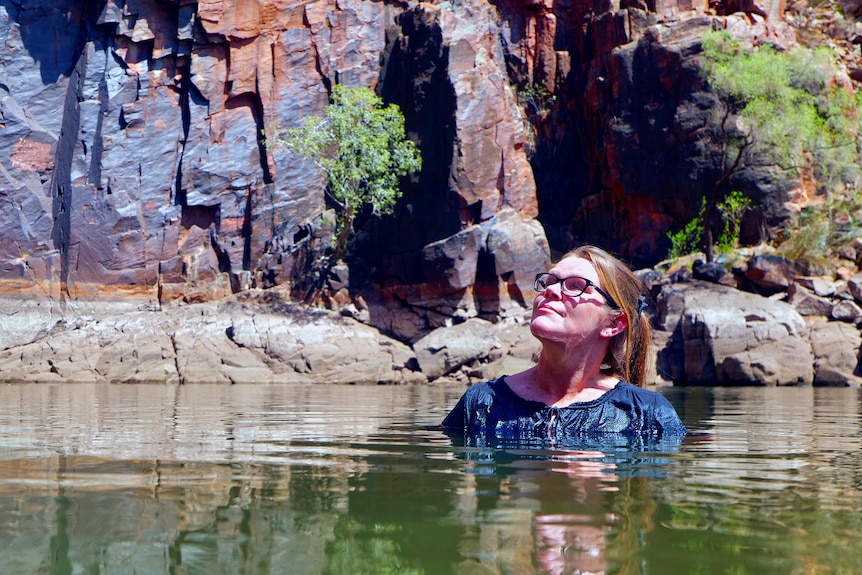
[777, 473]
[252, 479]
[222, 478]
[166, 517]
[248, 424]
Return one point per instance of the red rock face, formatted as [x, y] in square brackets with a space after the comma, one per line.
[134, 157]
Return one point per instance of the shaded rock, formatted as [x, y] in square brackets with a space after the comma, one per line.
[771, 274]
[711, 272]
[520, 251]
[807, 303]
[847, 311]
[448, 348]
[854, 284]
[510, 251]
[669, 358]
[652, 278]
[453, 259]
[733, 337]
[836, 353]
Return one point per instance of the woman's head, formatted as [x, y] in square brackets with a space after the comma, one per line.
[624, 293]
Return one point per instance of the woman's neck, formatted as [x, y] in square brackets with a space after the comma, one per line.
[561, 384]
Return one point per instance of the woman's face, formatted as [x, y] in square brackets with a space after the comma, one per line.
[567, 319]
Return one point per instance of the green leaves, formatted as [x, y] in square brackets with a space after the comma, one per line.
[686, 240]
[791, 103]
[361, 148]
[792, 109]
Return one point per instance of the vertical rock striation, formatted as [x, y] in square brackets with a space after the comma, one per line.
[136, 162]
[133, 160]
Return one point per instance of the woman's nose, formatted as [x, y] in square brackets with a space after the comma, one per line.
[555, 290]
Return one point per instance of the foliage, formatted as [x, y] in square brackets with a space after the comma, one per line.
[732, 209]
[686, 240]
[808, 240]
[537, 98]
[784, 109]
[360, 146]
[817, 230]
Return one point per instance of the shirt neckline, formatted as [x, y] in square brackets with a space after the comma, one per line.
[576, 405]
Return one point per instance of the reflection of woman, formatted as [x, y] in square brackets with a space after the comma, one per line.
[588, 315]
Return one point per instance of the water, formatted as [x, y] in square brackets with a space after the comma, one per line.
[334, 479]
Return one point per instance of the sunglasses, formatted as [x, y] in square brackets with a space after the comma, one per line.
[571, 286]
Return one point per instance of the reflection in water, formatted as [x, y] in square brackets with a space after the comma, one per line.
[294, 479]
[560, 510]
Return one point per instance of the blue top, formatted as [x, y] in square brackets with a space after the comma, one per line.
[491, 409]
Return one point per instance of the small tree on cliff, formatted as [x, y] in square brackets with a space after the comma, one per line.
[361, 148]
[778, 109]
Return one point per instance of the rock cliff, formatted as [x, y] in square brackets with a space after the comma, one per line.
[134, 164]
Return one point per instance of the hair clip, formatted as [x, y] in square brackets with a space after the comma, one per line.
[642, 304]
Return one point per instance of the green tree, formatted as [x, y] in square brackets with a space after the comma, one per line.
[779, 109]
[732, 208]
[360, 147]
[685, 241]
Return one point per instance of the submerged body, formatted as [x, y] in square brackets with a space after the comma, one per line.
[493, 409]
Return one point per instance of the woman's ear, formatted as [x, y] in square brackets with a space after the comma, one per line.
[618, 324]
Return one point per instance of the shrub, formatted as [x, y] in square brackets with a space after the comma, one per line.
[361, 148]
[687, 240]
[785, 109]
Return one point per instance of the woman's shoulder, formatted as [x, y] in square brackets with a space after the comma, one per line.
[650, 401]
[625, 389]
[490, 389]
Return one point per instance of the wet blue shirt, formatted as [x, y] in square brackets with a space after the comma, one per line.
[491, 409]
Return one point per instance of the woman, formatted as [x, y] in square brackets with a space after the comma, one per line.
[588, 315]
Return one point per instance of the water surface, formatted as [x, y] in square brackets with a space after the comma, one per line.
[339, 479]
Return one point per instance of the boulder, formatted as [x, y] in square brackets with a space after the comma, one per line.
[710, 272]
[771, 274]
[822, 286]
[854, 284]
[807, 303]
[453, 259]
[447, 348]
[836, 353]
[725, 337]
[847, 311]
[520, 251]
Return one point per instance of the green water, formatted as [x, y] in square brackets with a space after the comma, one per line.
[333, 479]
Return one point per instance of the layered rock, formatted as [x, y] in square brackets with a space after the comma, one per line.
[259, 337]
[708, 334]
[135, 160]
[136, 163]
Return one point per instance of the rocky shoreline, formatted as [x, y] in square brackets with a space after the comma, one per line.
[799, 330]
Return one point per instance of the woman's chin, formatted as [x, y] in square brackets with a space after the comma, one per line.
[542, 329]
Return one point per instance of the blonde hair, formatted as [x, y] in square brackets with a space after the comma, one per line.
[628, 355]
